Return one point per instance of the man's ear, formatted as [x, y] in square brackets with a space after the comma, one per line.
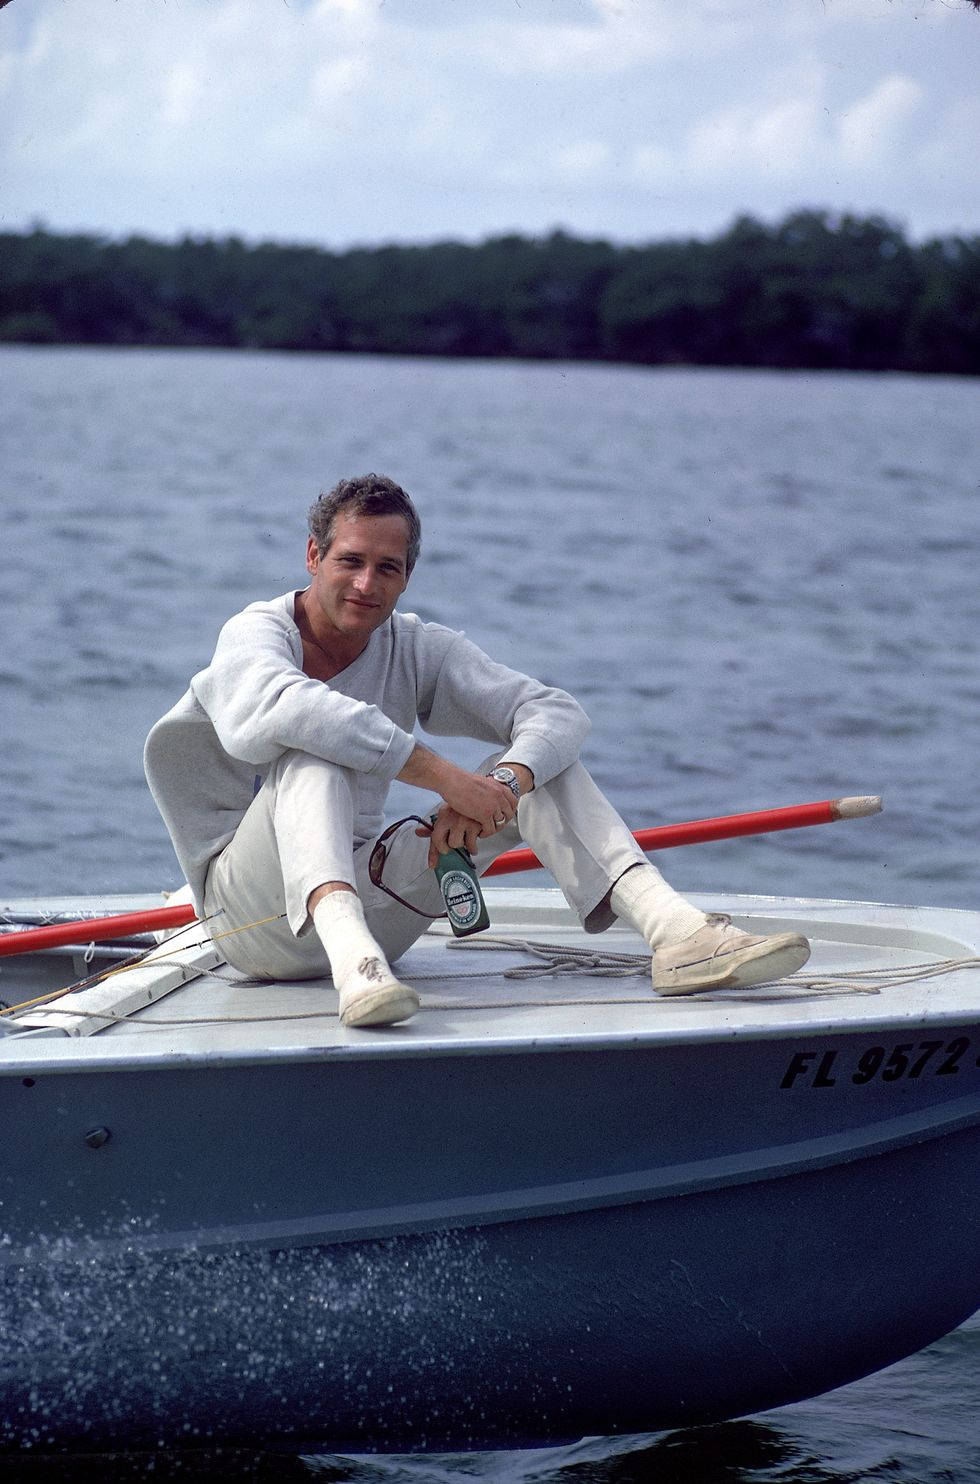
[312, 557]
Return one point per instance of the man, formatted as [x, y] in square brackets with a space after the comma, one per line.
[271, 774]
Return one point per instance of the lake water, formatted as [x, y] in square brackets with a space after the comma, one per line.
[762, 586]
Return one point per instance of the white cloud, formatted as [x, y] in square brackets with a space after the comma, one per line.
[589, 53]
[334, 83]
[875, 125]
[182, 91]
[357, 119]
[586, 158]
[780, 139]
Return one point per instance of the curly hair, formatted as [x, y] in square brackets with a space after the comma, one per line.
[367, 494]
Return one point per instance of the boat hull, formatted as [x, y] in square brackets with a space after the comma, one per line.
[641, 1317]
[766, 1236]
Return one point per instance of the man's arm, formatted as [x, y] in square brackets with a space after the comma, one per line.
[540, 728]
[475, 696]
[261, 703]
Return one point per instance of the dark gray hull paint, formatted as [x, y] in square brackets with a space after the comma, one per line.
[787, 1240]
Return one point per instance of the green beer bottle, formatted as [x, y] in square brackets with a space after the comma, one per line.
[460, 887]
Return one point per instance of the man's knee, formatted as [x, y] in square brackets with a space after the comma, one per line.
[295, 765]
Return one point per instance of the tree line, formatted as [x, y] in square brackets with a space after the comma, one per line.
[815, 290]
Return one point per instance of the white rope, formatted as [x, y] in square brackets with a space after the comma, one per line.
[559, 958]
[562, 959]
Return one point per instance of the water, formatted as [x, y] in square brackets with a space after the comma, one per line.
[762, 587]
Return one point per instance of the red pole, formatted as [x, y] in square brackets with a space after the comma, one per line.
[660, 837]
[725, 827]
[96, 929]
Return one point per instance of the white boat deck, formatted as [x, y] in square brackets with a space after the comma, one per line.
[872, 966]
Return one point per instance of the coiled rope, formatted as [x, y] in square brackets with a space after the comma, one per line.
[555, 958]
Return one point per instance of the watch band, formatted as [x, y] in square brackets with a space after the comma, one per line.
[508, 776]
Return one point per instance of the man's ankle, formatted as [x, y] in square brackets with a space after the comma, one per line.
[642, 898]
[348, 942]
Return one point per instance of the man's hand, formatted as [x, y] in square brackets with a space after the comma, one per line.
[453, 829]
[475, 806]
[450, 831]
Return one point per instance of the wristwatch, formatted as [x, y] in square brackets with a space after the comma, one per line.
[508, 776]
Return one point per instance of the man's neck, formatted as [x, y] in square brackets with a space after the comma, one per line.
[325, 654]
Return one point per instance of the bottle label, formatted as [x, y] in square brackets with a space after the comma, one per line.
[461, 898]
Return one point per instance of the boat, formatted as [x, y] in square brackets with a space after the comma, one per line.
[553, 1204]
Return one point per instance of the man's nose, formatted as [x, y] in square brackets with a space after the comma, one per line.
[364, 580]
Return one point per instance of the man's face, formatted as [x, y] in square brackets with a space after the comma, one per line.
[361, 575]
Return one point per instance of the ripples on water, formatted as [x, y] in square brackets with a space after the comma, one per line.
[762, 586]
[912, 1424]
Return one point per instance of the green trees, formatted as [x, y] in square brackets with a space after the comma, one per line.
[815, 290]
[943, 332]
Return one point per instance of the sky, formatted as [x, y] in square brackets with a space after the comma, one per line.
[366, 121]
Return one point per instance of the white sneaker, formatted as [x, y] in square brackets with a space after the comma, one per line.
[720, 956]
[376, 998]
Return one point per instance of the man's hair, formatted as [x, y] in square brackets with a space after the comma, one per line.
[368, 494]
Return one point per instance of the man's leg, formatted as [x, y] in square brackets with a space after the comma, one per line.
[288, 881]
[575, 832]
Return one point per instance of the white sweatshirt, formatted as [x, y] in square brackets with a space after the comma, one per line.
[206, 758]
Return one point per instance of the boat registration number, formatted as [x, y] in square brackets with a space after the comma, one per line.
[906, 1060]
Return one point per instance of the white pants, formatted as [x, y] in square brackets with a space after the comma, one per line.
[298, 834]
